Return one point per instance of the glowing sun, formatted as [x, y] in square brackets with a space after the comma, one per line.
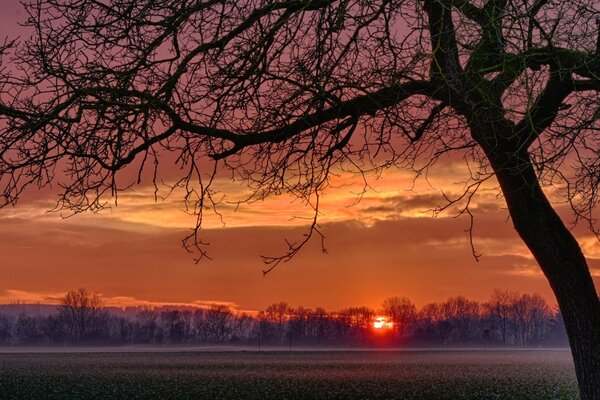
[382, 323]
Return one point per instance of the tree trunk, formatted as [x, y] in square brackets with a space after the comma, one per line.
[561, 260]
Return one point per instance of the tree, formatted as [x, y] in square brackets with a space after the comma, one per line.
[430, 319]
[402, 312]
[244, 326]
[187, 317]
[147, 323]
[53, 330]
[353, 324]
[282, 94]
[463, 314]
[218, 320]
[528, 315]
[319, 324]
[298, 323]
[27, 330]
[278, 315]
[539, 314]
[499, 308]
[6, 328]
[519, 319]
[82, 314]
[173, 324]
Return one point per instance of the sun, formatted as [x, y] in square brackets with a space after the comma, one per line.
[382, 324]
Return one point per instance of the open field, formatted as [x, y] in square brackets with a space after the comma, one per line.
[282, 375]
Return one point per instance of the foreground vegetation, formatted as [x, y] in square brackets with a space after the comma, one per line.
[295, 375]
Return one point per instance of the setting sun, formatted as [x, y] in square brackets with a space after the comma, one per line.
[382, 323]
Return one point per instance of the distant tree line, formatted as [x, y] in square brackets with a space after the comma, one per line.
[506, 319]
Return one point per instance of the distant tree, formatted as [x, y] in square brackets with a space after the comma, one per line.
[463, 314]
[121, 330]
[298, 324]
[243, 326]
[278, 315]
[187, 318]
[266, 329]
[147, 318]
[27, 330]
[528, 317]
[499, 309]
[199, 322]
[319, 324]
[218, 320]
[343, 325]
[6, 329]
[82, 315]
[173, 325]
[282, 94]
[354, 323]
[539, 315]
[429, 317]
[431, 313]
[53, 330]
[402, 312]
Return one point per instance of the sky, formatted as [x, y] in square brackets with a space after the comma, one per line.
[388, 244]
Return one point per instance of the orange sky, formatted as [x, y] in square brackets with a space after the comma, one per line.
[386, 245]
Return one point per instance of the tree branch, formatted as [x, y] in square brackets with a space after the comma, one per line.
[490, 49]
[361, 105]
[470, 10]
[545, 108]
[445, 65]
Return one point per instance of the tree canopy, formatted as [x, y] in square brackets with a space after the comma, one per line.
[278, 92]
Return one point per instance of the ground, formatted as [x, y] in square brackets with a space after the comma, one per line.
[457, 374]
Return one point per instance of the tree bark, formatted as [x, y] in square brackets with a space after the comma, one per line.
[561, 260]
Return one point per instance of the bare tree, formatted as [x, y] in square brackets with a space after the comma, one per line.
[402, 312]
[318, 323]
[173, 325]
[200, 326]
[27, 329]
[218, 319]
[52, 329]
[430, 320]
[499, 308]
[528, 315]
[82, 314]
[120, 329]
[281, 93]
[244, 326]
[463, 314]
[539, 314]
[6, 329]
[147, 323]
[278, 315]
[519, 320]
[354, 323]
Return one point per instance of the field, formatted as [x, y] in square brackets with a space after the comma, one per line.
[284, 375]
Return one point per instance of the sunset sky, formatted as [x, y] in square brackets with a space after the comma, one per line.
[387, 244]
